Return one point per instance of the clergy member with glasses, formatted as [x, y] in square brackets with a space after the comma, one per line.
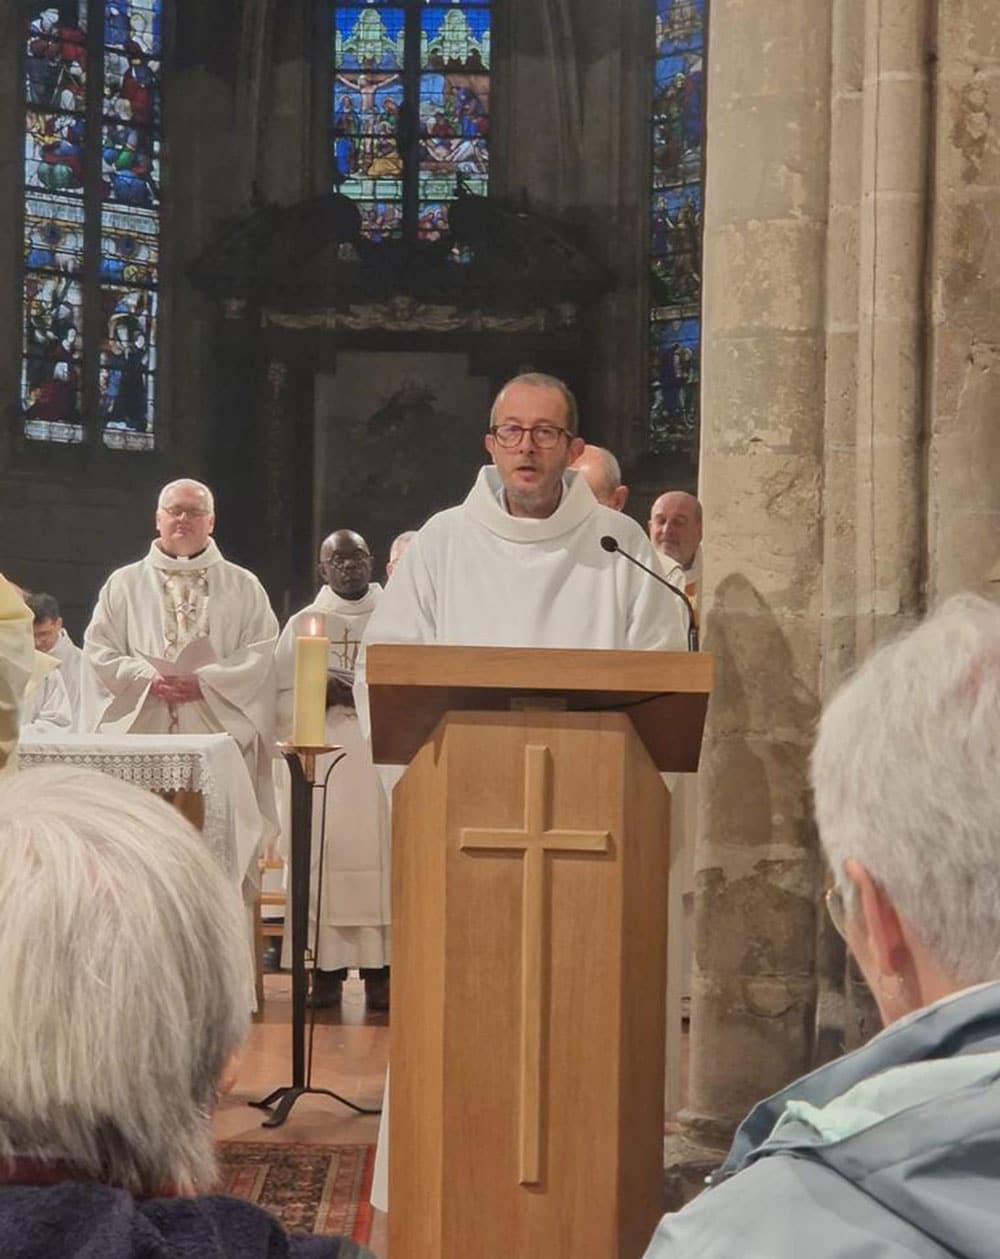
[520, 563]
[182, 642]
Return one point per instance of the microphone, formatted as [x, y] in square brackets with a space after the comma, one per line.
[611, 544]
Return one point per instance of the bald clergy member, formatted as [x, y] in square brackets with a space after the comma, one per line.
[675, 530]
[354, 915]
[520, 562]
[602, 472]
[182, 641]
[17, 658]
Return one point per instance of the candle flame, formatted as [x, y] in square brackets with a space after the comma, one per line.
[313, 627]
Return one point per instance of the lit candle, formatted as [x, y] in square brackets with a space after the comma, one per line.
[309, 713]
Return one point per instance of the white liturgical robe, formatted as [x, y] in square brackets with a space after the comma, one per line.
[477, 576]
[353, 922]
[46, 707]
[155, 608]
[70, 658]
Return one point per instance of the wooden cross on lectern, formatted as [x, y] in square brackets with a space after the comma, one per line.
[535, 841]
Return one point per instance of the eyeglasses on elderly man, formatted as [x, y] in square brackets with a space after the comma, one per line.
[892, 1150]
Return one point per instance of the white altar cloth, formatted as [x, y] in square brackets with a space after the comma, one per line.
[209, 764]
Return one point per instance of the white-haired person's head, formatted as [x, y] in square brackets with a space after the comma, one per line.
[399, 547]
[124, 990]
[907, 796]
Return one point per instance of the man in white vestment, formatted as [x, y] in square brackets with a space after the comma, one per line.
[400, 543]
[46, 708]
[603, 474]
[354, 915]
[16, 663]
[52, 638]
[675, 530]
[182, 641]
[520, 564]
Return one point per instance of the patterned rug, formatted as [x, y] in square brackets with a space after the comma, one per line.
[310, 1188]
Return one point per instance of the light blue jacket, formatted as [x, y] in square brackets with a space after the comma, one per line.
[891, 1152]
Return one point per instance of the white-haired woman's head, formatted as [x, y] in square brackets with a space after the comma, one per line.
[906, 784]
[124, 990]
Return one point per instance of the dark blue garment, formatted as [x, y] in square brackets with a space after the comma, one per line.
[89, 1221]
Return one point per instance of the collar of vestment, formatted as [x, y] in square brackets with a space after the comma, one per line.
[184, 564]
[575, 506]
[328, 600]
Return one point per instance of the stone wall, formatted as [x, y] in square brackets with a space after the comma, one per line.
[849, 468]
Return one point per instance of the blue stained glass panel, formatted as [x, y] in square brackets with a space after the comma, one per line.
[53, 152]
[675, 237]
[363, 135]
[675, 373]
[127, 377]
[676, 218]
[131, 89]
[130, 165]
[55, 64]
[366, 104]
[450, 100]
[381, 220]
[678, 115]
[432, 220]
[456, 37]
[130, 251]
[53, 233]
[51, 361]
[454, 105]
[369, 38]
[135, 25]
[680, 25]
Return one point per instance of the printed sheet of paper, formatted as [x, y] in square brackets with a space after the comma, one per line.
[194, 656]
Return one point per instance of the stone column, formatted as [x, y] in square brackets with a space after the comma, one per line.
[889, 515]
[753, 992]
[964, 385]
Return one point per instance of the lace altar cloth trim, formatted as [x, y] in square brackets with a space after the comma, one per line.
[156, 771]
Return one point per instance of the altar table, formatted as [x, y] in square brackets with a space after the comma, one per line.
[210, 765]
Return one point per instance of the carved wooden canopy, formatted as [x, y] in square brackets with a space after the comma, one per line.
[309, 266]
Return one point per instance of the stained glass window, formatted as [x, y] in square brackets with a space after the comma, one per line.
[676, 226]
[399, 60]
[91, 221]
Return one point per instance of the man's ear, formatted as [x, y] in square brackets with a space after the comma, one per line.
[878, 919]
[489, 441]
[620, 498]
[575, 448]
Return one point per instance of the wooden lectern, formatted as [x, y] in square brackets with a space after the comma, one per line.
[529, 905]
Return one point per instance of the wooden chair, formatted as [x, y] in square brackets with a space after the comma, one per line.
[266, 926]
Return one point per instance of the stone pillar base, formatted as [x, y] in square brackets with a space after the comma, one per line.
[689, 1157]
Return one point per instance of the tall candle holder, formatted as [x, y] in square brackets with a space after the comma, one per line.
[301, 762]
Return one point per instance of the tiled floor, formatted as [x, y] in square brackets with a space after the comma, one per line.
[349, 1056]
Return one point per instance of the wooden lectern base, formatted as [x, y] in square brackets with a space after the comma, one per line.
[530, 865]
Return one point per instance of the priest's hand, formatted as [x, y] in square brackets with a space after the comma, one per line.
[162, 688]
[186, 688]
[338, 692]
[176, 690]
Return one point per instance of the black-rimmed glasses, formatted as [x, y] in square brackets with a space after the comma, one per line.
[544, 436]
